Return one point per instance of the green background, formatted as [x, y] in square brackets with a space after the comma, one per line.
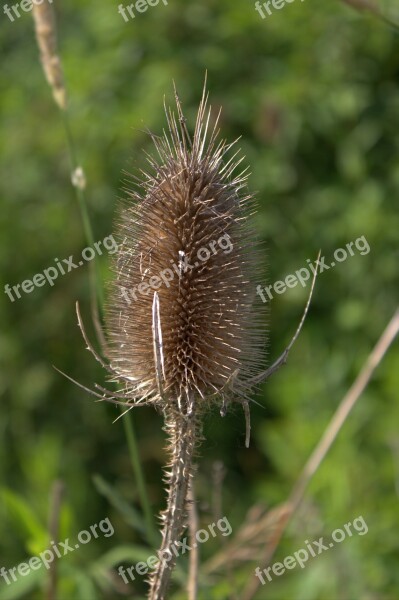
[313, 93]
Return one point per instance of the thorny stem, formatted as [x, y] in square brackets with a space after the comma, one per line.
[184, 434]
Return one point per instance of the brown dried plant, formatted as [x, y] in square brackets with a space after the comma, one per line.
[46, 35]
[198, 339]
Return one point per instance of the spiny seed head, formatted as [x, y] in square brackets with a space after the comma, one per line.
[181, 320]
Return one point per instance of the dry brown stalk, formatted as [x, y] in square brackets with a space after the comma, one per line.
[324, 445]
[46, 35]
[192, 584]
[57, 493]
[374, 8]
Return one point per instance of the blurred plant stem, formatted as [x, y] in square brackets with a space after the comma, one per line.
[56, 497]
[97, 301]
[142, 489]
[79, 184]
[46, 35]
[372, 7]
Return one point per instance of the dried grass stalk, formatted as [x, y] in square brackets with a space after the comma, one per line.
[46, 35]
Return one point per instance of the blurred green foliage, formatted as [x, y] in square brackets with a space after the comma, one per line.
[313, 93]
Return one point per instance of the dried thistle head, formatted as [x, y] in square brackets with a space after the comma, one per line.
[181, 319]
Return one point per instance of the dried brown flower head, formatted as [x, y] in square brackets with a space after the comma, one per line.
[181, 320]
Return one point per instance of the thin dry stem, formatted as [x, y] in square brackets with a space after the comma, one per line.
[372, 7]
[247, 542]
[369, 5]
[247, 414]
[218, 475]
[57, 493]
[193, 525]
[325, 443]
[282, 359]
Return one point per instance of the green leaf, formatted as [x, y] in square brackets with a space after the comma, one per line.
[122, 554]
[85, 586]
[23, 585]
[24, 518]
[131, 515]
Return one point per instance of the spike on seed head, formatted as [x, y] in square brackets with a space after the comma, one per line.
[181, 319]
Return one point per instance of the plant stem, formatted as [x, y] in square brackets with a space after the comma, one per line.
[97, 300]
[319, 453]
[46, 35]
[95, 277]
[142, 490]
[192, 584]
[183, 437]
[57, 493]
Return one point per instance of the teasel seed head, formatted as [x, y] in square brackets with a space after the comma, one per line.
[183, 325]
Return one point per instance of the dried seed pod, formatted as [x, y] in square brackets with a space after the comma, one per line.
[182, 323]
